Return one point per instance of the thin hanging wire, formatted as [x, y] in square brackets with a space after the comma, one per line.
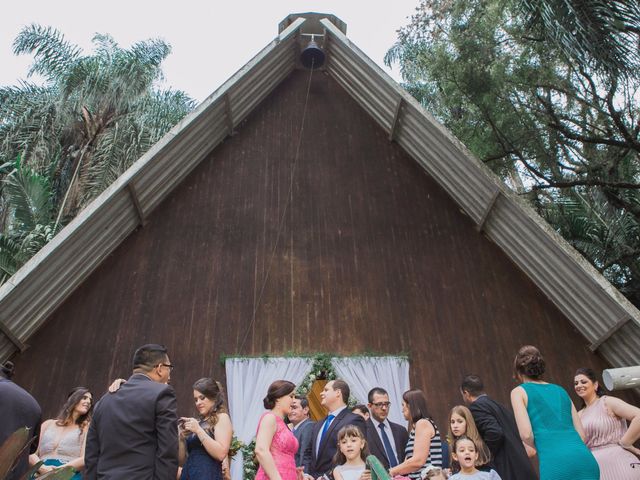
[284, 213]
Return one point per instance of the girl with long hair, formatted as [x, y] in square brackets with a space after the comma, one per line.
[62, 439]
[205, 440]
[461, 423]
[351, 455]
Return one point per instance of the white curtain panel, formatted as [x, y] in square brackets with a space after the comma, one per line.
[364, 373]
[247, 382]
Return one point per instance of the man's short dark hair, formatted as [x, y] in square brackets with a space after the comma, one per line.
[149, 356]
[304, 401]
[343, 386]
[373, 391]
[362, 408]
[473, 385]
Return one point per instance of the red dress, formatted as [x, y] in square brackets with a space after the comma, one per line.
[283, 449]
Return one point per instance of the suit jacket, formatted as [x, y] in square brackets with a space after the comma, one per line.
[134, 433]
[497, 426]
[304, 435]
[376, 447]
[322, 460]
[19, 409]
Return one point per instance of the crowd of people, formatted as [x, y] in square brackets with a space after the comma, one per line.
[134, 432]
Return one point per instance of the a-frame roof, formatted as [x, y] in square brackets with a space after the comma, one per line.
[608, 321]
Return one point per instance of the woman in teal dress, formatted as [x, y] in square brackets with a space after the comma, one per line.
[548, 422]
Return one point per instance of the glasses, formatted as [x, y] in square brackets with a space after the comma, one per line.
[381, 404]
[168, 365]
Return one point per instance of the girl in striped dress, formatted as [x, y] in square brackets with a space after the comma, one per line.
[425, 445]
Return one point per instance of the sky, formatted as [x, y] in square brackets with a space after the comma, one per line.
[210, 40]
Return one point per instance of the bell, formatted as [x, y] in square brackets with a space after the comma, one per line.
[312, 56]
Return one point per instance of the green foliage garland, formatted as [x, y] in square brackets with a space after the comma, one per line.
[249, 464]
[321, 368]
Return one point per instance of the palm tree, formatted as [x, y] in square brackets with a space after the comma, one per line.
[90, 120]
[603, 34]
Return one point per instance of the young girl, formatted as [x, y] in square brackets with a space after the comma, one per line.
[461, 423]
[351, 455]
[466, 454]
[433, 473]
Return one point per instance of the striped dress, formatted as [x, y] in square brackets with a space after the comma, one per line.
[603, 431]
[435, 450]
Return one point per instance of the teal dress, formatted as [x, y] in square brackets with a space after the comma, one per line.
[562, 453]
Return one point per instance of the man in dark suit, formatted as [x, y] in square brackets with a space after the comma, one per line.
[134, 431]
[497, 426]
[386, 439]
[334, 398]
[18, 409]
[303, 430]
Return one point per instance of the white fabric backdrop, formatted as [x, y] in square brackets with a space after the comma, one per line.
[247, 382]
[364, 373]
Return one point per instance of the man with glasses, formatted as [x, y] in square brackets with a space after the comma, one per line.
[134, 431]
[386, 439]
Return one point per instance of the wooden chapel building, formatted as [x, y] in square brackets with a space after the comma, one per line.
[308, 211]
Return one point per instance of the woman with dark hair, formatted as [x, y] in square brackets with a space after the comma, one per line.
[205, 441]
[276, 445]
[62, 439]
[548, 422]
[605, 426]
[425, 445]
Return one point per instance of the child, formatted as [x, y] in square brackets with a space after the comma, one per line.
[433, 473]
[461, 423]
[351, 455]
[465, 454]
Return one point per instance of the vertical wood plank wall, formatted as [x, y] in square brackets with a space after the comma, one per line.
[364, 253]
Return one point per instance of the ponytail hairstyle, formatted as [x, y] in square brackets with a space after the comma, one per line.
[350, 431]
[529, 362]
[65, 416]
[591, 375]
[213, 390]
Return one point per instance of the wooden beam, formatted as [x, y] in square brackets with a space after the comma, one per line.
[609, 333]
[228, 113]
[487, 211]
[12, 337]
[136, 202]
[396, 118]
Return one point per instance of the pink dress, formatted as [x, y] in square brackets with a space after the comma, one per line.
[283, 449]
[603, 431]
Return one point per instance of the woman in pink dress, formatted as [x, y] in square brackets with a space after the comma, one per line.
[276, 445]
[604, 420]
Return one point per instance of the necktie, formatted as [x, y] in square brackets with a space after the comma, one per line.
[325, 427]
[393, 461]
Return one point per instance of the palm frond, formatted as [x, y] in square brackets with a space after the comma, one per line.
[52, 53]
